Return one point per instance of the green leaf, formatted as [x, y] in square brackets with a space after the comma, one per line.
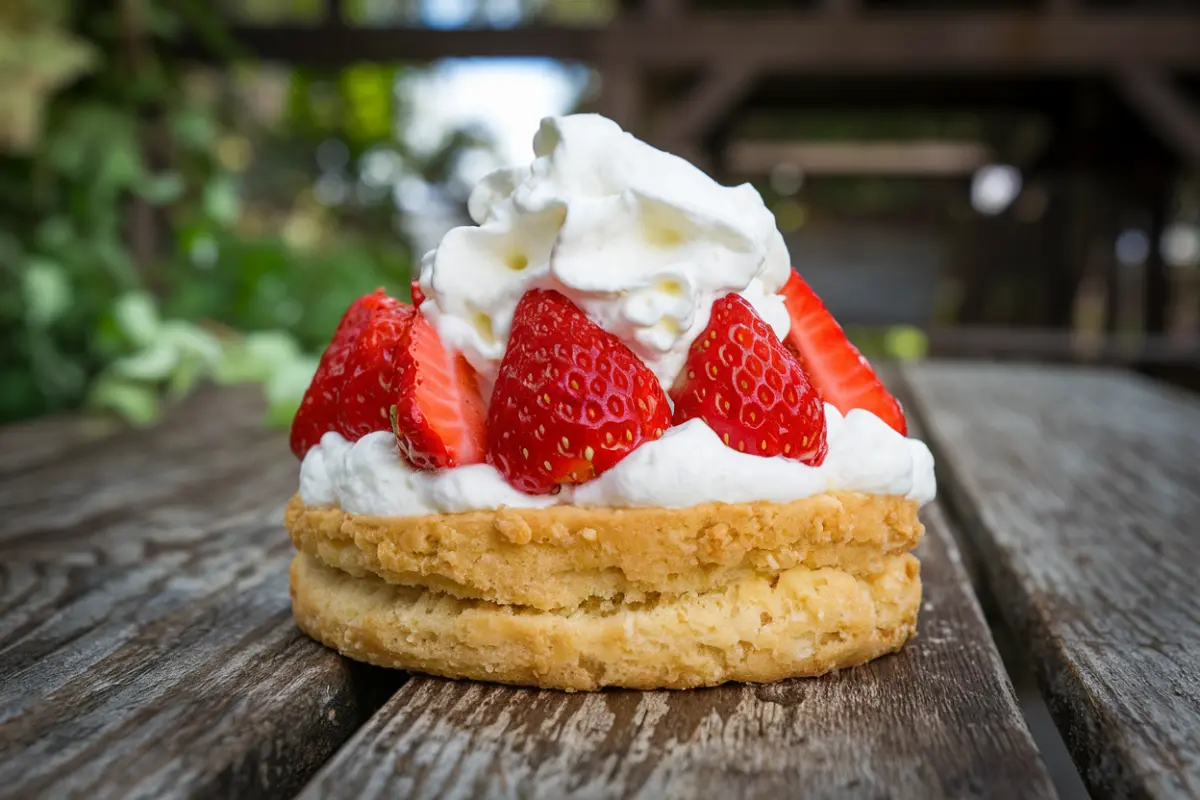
[47, 291]
[272, 347]
[190, 339]
[55, 233]
[285, 389]
[221, 200]
[187, 374]
[153, 364]
[906, 343]
[137, 318]
[111, 253]
[120, 168]
[193, 128]
[166, 187]
[134, 402]
[257, 357]
[37, 61]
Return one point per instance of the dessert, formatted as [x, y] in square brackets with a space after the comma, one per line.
[615, 441]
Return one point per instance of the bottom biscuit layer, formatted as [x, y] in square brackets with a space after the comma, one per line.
[807, 622]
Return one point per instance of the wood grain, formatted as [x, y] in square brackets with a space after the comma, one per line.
[146, 641]
[1080, 492]
[29, 445]
[937, 720]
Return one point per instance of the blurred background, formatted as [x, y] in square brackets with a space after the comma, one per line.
[194, 190]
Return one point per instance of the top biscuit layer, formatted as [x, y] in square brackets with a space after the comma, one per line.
[562, 557]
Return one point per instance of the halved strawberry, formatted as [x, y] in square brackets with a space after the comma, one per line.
[747, 387]
[571, 400]
[438, 415]
[841, 374]
[368, 390]
[318, 412]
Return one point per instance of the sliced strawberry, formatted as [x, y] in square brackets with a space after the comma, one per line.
[418, 296]
[318, 411]
[841, 374]
[438, 414]
[368, 390]
[571, 400]
[741, 380]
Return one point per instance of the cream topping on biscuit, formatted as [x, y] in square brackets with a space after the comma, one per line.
[689, 465]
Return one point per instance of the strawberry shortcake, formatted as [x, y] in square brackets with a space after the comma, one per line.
[615, 441]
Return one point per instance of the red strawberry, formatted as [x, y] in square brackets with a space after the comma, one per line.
[418, 296]
[841, 374]
[438, 416]
[571, 399]
[741, 380]
[319, 409]
[368, 389]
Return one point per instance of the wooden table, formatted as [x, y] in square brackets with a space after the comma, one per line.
[147, 650]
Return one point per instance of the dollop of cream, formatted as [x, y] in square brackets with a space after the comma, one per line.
[688, 466]
[371, 477]
[641, 240]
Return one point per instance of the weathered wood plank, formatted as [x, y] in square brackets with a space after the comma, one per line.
[1080, 491]
[28, 445]
[937, 720]
[146, 641]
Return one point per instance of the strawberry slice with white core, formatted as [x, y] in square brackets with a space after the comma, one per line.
[439, 416]
[839, 372]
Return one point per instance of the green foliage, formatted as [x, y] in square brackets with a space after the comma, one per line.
[896, 342]
[36, 57]
[152, 237]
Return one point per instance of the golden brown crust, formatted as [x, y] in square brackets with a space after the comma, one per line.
[805, 622]
[561, 557]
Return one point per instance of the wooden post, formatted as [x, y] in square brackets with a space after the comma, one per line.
[690, 122]
[335, 14]
[621, 93]
[1157, 294]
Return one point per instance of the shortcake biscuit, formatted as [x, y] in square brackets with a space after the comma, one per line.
[560, 557]
[803, 622]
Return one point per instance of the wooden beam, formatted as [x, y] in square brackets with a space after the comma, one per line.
[666, 9]
[1064, 6]
[335, 13]
[1166, 109]
[922, 43]
[842, 8]
[338, 47]
[710, 101]
[921, 158]
[1017, 43]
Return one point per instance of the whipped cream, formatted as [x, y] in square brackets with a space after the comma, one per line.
[371, 477]
[688, 466]
[641, 240]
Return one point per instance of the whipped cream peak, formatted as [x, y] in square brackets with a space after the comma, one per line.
[640, 239]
